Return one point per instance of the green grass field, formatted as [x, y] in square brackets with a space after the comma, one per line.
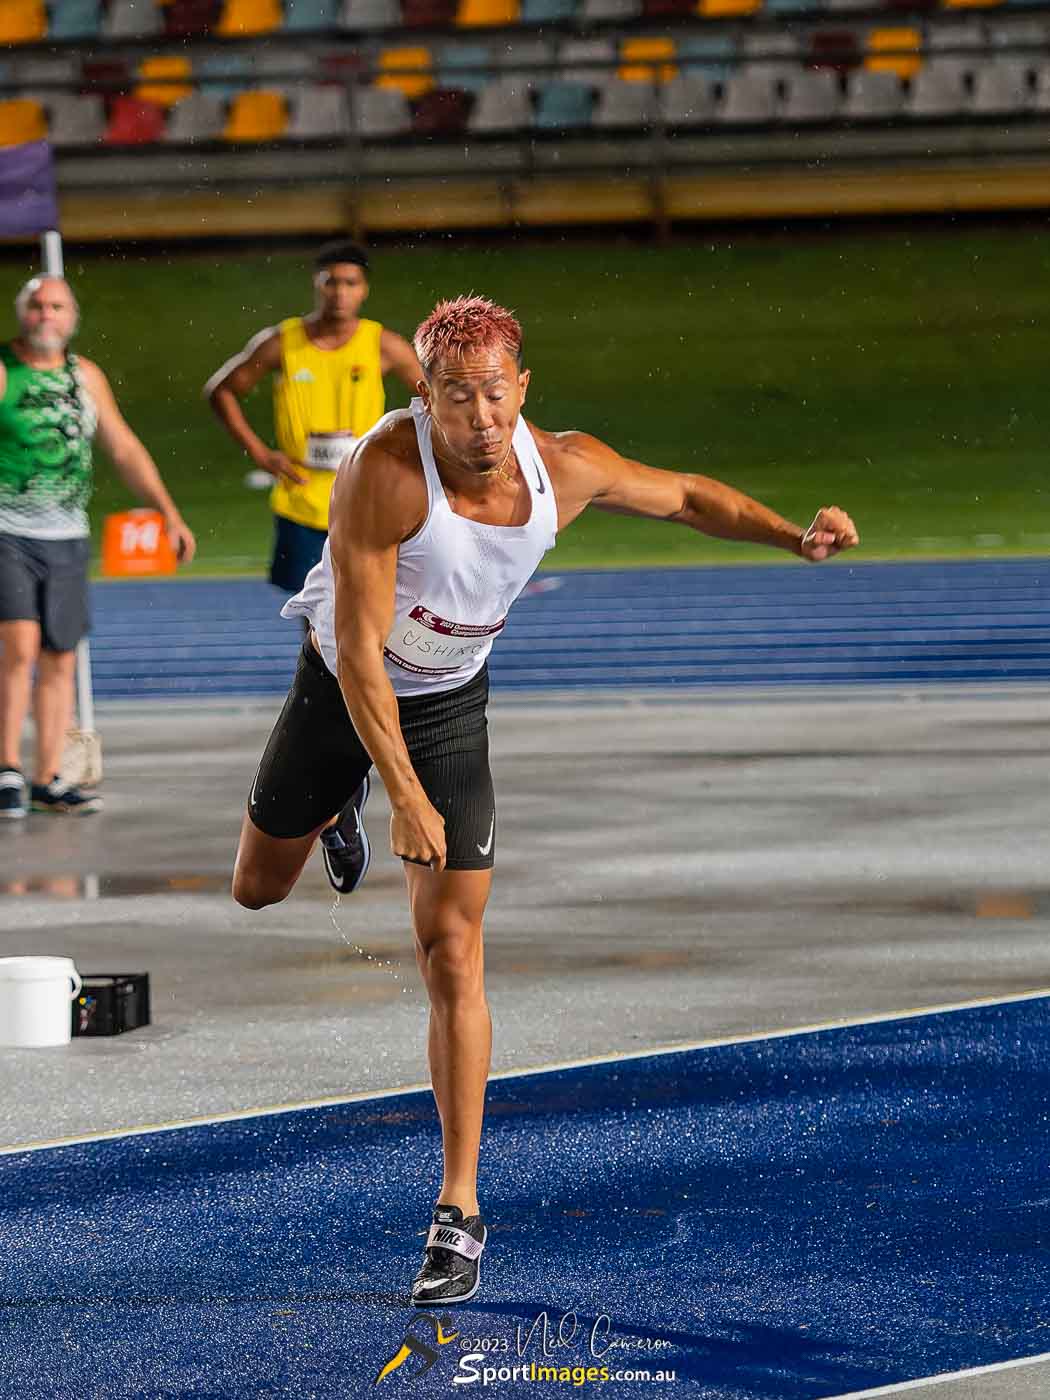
[898, 374]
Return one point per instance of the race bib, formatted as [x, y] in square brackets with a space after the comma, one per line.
[426, 644]
[325, 451]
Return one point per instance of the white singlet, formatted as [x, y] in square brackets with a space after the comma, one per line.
[456, 578]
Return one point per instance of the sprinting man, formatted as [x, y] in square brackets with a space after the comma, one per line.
[438, 521]
[328, 370]
[52, 404]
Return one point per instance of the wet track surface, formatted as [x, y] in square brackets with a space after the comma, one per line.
[841, 1209]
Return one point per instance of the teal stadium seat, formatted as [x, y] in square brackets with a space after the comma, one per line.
[218, 74]
[465, 66]
[76, 19]
[547, 11]
[306, 16]
[707, 56]
[792, 7]
[563, 107]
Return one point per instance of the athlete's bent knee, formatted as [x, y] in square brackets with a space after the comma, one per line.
[450, 960]
[253, 890]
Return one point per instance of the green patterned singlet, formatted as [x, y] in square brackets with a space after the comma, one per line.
[47, 421]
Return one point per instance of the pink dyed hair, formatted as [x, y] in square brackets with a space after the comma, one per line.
[463, 324]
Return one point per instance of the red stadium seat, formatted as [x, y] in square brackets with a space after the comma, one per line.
[442, 112]
[190, 19]
[133, 122]
[105, 74]
[659, 9]
[837, 49]
[428, 14]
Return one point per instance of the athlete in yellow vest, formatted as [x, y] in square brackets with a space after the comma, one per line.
[327, 372]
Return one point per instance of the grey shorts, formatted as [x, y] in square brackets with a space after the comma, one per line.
[45, 581]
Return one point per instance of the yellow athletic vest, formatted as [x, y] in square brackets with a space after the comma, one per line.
[322, 391]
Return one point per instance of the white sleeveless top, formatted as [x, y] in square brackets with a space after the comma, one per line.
[456, 578]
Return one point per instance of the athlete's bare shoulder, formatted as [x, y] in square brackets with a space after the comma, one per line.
[384, 476]
[574, 461]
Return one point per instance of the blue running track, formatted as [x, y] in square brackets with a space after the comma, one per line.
[791, 624]
[783, 1219]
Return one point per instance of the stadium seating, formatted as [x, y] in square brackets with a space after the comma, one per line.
[688, 100]
[408, 70]
[627, 104]
[723, 9]
[872, 96]
[442, 112]
[224, 75]
[772, 54]
[383, 112]
[255, 116]
[647, 60]
[172, 71]
[749, 99]
[243, 17]
[547, 11]
[465, 65]
[1002, 87]
[479, 13]
[199, 117]
[1041, 92]
[609, 11]
[708, 55]
[22, 21]
[318, 113]
[503, 106]
[76, 119]
[310, 15]
[937, 92]
[586, 62]
[132, 19]
[75, 19]
[811, 97]
[362, 15]
[190, 19]
[964, 41]
[894, 51]
[22, 120]
[133, 122]
[564, 106]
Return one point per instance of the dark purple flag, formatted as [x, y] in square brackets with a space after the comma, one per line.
[28, 203]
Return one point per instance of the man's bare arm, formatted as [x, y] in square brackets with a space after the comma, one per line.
[376, 503]
[396, 356]
[619, 484]
[232, 382]
[133, 462]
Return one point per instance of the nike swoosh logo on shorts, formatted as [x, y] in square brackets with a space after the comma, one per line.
[484, 850]
[251, 795]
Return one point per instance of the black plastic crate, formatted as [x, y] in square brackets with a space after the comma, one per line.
[111, 1003]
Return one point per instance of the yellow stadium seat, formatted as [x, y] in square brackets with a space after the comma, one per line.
[256, 116]
[22, 21]
[902, 57]
[640, 60]
[20, 121]
[412, 84]
[717, 9]
[250, 17]
[164, 94]
[472, 14]
[970, 4]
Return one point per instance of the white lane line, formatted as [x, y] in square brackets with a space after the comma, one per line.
[943, 1377]
[679, 1048]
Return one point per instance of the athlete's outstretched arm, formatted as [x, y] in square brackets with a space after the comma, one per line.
[616, 483]
[376, 504]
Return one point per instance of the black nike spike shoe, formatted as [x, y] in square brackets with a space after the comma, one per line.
[451, 1271]
[344, 844]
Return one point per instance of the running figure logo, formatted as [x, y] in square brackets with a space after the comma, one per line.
[412, 1344]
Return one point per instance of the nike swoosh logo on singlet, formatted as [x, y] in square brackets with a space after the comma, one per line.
[539, 482]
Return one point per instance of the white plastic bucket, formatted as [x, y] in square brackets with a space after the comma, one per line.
[35, 997]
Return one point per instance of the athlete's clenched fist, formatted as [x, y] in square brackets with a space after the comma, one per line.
[831, 531]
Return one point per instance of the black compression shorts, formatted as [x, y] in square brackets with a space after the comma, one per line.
[314, 761]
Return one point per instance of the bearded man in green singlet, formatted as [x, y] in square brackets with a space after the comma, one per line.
[52, 404]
